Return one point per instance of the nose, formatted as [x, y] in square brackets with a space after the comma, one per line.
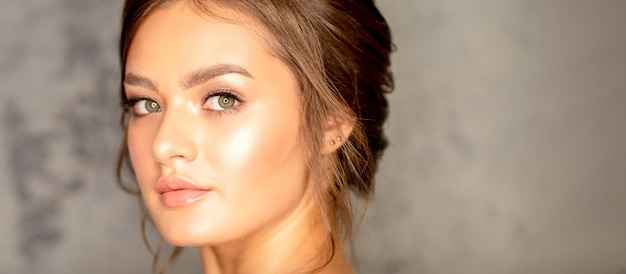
[174, 143]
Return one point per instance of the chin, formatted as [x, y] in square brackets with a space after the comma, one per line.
[185, 237]
[187, 231]
[181, 241]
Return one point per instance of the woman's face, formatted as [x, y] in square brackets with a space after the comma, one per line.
[214, 132]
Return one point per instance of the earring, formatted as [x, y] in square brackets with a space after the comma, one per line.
[332, 142]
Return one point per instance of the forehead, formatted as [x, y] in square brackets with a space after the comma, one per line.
[184, 35]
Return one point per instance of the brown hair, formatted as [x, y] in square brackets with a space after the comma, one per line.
[338, 51]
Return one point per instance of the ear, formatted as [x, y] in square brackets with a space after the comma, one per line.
[336, 133]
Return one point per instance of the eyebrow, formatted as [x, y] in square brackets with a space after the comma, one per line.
[203, 75]
[195, 78]
[139, 81]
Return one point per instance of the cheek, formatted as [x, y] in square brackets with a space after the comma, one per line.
[139, 140]
[259, 143]
[261, 146]
[261, 165]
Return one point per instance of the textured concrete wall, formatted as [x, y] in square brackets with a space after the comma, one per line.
[508, 138]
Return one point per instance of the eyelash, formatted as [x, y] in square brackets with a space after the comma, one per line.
[129, 103]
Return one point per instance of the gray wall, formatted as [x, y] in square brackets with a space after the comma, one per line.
[508, 149]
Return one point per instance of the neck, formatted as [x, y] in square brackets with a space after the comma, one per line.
[297, 244]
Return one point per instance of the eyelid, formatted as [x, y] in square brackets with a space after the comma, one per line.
[224, 91]
[130, 102]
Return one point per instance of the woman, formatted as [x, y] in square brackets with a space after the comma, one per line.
[247, 123]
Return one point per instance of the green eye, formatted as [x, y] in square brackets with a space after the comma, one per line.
[152, 106]
[221, 101]
[226, 101]
[145, 106]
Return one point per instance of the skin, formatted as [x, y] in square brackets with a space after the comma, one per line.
[260, 215]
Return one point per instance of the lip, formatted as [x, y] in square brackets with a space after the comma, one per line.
[176, 191]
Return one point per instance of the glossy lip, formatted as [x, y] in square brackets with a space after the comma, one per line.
[177, 191]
